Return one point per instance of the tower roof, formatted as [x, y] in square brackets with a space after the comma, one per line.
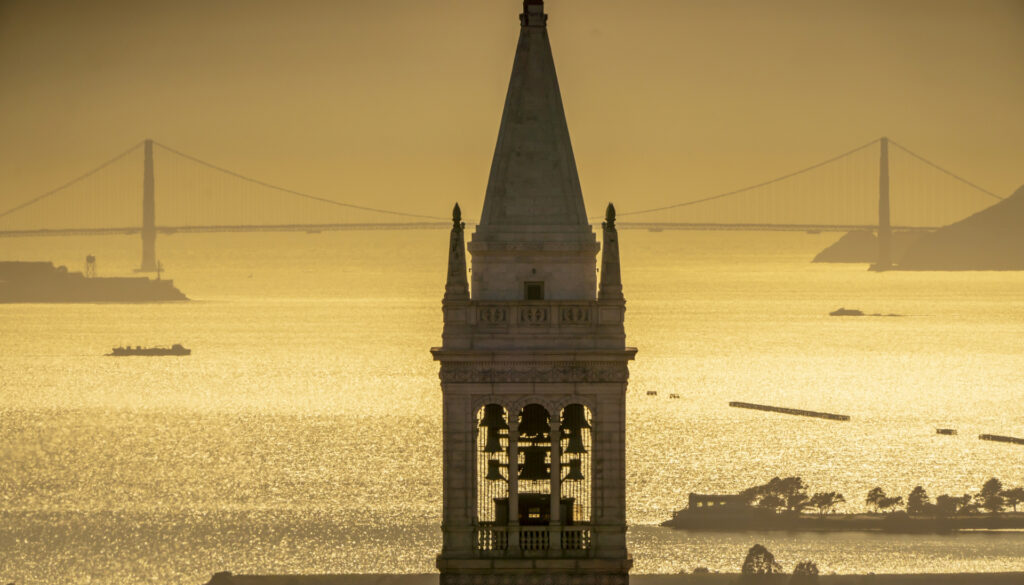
[533, 179]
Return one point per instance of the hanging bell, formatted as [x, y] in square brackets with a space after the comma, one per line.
[494, 417]
[534, 421]
[493, 441]
[576, 444]
[574, 419]
[534, 467]
[575, 470]
[494, 470]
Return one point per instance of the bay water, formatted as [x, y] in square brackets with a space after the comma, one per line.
[303, 433]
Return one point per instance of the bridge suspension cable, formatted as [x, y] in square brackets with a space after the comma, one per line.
[752, 187]
[291, 191]
[71, 182]
[937, 167]
[806, 170]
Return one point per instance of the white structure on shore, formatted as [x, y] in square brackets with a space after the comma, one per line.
[534, 361]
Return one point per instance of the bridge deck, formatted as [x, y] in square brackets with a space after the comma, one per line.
[652, 226]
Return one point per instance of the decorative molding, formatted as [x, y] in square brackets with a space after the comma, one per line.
[492, 315]
[533, 315]
[575, 314]
[536, 372]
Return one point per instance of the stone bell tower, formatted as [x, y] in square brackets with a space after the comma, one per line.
[534, 361]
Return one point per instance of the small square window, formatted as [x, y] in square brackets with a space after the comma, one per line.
[534, 291]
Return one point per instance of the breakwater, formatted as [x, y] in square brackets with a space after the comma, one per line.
[793, 411]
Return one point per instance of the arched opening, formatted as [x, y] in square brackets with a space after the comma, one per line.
[534, 441]
[575, 465]
[492, 441]
[575, 462]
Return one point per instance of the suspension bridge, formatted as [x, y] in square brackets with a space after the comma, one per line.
[861, 189]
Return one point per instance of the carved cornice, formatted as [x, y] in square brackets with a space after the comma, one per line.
[526, 372]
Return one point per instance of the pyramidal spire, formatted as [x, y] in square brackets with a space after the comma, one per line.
[533, 178]
[533, 240]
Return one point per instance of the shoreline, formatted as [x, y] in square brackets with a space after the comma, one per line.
[226, 578]
[885, 523]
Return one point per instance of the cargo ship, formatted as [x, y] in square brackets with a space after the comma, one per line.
[42, 282]
[176, 349]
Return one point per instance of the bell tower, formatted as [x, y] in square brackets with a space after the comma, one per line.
[534, 363]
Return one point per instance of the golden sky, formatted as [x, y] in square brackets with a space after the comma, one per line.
[396, 103]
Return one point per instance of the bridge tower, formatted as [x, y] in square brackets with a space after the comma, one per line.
[534, 362]
[884, 223]
[148, 212]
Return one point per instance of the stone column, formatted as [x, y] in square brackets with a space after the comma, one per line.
[458, 476]
[513, 482]
[555, 525]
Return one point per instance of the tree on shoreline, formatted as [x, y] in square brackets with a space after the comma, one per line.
[891, 503]
[826, 502]
[875, 497]
[760, 561]
[1014, 496]
[947, 505]
[805, 572]
[991, 498]
[789, 493]
[918, 502]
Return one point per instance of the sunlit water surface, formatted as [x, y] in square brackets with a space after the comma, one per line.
[303, 434]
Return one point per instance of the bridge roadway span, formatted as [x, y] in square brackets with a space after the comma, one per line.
[441, 225]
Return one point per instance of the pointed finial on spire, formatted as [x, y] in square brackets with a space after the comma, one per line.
[610, 287]
[533, 13]
[457, 286]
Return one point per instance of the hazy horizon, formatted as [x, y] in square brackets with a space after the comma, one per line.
[666, 101]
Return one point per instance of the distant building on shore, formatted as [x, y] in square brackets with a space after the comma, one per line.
[717, 504]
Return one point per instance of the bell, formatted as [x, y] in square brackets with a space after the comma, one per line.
[575, 470]
[574, 419]
[494, 470]
[494, 417]
[534, 421]
[534, 466]
[493, 441]
[575, 444]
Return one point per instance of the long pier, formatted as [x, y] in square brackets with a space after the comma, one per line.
[1002, 439]
[793, 411]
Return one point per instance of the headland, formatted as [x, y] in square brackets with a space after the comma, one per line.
[42, 282]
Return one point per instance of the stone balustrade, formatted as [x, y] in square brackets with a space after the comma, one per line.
[537, 314]
[493, 540]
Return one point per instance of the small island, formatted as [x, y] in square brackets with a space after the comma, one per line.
[42, 282]
[784, 504]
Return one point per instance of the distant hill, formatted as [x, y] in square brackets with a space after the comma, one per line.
[861, 247]
[992, 239]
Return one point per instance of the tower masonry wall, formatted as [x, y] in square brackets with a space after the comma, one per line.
[567, 269]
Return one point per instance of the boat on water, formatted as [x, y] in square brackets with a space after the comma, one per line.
[844, 312]
[176, 349]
